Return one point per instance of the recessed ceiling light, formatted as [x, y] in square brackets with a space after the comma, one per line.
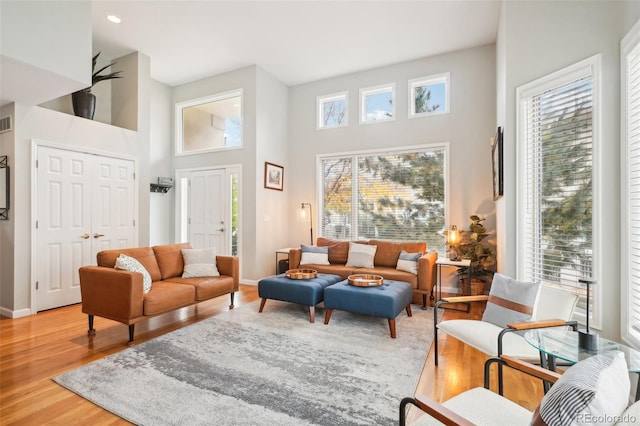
[114, 19]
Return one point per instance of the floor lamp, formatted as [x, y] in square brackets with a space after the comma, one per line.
[302, 217]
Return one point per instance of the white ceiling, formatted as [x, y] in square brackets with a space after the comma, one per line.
[296, 41]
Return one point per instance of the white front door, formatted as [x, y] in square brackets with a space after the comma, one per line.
[207, 210]
[85, 203]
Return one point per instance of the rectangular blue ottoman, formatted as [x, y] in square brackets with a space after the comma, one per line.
[308, 292]
[385, 301]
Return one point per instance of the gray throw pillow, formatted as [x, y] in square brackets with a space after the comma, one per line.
[510, 300]
[361, 255]
[314, 255]
[408, 262]
[199, 263]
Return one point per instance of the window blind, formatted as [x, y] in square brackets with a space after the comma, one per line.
[631, 185]
[386, 195]
[557, 177]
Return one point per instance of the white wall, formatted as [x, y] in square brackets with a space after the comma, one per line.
[535, 39]
[467, 129]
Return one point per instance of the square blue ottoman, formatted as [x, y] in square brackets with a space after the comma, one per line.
[385, 301]
[308, 292]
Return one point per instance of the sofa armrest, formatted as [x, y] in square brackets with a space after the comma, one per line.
[427, 271]
[295, 255]
[229, 266]
[111, 293]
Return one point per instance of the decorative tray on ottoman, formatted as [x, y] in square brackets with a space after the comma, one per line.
[301, 274]
[365, 280]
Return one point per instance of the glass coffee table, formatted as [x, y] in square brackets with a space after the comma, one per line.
[562, 344]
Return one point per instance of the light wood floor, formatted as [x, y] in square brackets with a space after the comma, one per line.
[35, 348]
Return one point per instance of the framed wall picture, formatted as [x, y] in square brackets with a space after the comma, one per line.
[273, 176]
[498, 165]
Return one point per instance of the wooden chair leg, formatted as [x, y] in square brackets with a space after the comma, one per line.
[392, 327]
[408, 309]
[262, 302]
[312, 314]
[91, 331]
[327, 315]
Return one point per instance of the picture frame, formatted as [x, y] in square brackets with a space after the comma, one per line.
[497, 161]
[273, 176]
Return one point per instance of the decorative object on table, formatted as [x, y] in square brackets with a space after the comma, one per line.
[473, 246]
[301, 274]
[497, 161]
[84, 102]
[365, 280]
[587, 339]
[302, 216]
[4, 187]
[274, 177]
[452, 242]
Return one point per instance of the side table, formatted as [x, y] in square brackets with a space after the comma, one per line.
[459, 264]
[281, 252]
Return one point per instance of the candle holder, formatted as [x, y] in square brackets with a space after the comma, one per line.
[587, 339]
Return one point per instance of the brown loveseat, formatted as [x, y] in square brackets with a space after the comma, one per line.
[117, 294]
[385, 261]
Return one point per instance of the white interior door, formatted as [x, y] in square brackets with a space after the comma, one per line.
[85, 203]
[207, 210]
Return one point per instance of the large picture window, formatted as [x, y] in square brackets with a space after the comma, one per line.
[556, 218]
[397, 195]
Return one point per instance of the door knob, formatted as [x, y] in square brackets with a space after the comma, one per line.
[96, 235]
[220, 230]
[85, 236]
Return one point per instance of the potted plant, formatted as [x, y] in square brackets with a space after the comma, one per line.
[471, 245]
[84, 102]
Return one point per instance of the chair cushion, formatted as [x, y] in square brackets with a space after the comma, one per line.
[510, 300]
[408, 262]
[361, 255]
[314, 254]
[128, 263]
[199, 263]
[593, 391]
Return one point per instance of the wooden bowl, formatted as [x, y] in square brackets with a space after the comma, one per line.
[301, 274]
[365, 280]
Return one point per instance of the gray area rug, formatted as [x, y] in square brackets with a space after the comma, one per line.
[273, 368]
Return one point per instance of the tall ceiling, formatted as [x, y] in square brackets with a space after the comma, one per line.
[296, 41]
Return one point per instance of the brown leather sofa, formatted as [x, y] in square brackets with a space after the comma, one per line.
[384, 262]
[117, 294]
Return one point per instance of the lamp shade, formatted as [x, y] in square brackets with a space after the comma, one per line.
[303, 215]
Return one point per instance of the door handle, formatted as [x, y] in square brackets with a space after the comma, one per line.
[220, 230]
[85, 236]
[96, 235]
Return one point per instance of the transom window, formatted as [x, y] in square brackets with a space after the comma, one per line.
[397, 195]
[377, 104]
[332, 111]
[429, 95]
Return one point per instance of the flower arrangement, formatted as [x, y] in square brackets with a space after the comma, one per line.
[471, 245]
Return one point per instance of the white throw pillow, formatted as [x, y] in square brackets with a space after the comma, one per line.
[199, 263]
[314, 255]
[408, 262]
[361, 255]
[595, 391]
[510, 300]
[128, 263]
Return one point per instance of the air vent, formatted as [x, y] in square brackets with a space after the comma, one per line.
[5, 124]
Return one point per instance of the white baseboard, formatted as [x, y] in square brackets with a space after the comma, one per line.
[15, 314]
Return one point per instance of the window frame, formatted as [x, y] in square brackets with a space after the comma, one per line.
[629, 47]
[321, 100]
[375, 90]
[444, 146]
[429, 81]
[590, 66]
[179, 122]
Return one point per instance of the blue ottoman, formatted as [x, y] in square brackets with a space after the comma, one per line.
[385, 301]
[304, 292]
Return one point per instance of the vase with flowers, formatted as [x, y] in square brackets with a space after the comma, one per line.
[84, 102]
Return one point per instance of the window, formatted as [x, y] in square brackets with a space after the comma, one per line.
[210, 123]
[429, 95]
[556, 140]
[332, 111]
[388, 195]
[377, 104]
[630, 179]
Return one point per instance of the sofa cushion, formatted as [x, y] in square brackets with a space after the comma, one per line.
[314, 254]
[388, 252]
[361, 255]
[128, 263]
[199, 263]
[338, 250]
[144, 255]
[169, 258]
[167, 296]
[408, 262]
[206, 287]
[390, 274]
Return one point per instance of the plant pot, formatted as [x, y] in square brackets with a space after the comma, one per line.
[477, 287]
[84, 104]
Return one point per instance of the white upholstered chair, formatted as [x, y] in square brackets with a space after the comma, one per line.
[553, 307]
